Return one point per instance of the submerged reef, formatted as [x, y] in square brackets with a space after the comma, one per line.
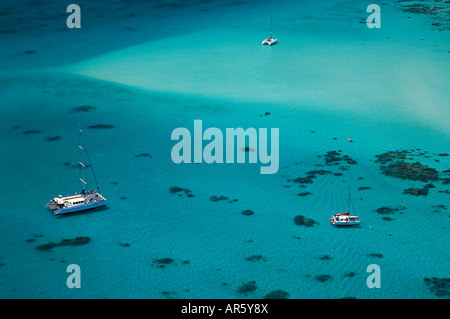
[53, 138]
[277, 294]
[416, 191]
[412, 171]
[65, 242]
[325, 257]
[331, 158]
[247, 212]
[385, 210]
[323, 278]
[221, 197]
[432, 9]
[161, 263]
[247, 287]
[27, 132]
[439, 286]
[302, 220]
[395, 164]
[143, 155]
[101, 126]
[335, 158]
[82, 108]
[180, 191]
[256, 258]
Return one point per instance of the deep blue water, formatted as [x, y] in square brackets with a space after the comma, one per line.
[147, 68]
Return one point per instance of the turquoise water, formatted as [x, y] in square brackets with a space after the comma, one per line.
[147, 68]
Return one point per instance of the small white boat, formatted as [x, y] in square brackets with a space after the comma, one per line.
[345, 219]
[271, 40]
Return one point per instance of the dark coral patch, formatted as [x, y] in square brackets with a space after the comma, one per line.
[323, 278]
[256, 258]
[385, 210]
[75, 242]
[65, 242]
[53, 138]
[102, 126]
[82, 108]
[47, 247]
[277, 294]
[247, 287]
[218, 198]
[302, 220]
[180, 191]
[411, 171]
[32, 132]
[161, 263]
[416, 191]
[143, 155]
[247, 212]
[439, 286]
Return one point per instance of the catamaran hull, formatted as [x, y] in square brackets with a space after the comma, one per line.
[269, 42]
[345, 224]
[79, 208]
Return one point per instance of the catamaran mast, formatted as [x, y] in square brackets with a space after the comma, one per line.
[83, 148]
[82, 166]
[349, 201]
[271, 26]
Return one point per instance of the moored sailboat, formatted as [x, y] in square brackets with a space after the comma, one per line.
[345, 219]
[271, 40]
[79, 201]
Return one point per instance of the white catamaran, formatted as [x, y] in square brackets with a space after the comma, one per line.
[345, 219]
[82, 200]
[271, 40]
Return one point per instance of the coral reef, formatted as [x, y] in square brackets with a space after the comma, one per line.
[161, 263]
[385, 210]
[416, 191]
[302, 220]
[247, 287]
[411, 171]
[323, 278]
[180, 191]
[101, 126]
[53, 138]
[65, 242]
[256, 258]
[439, 286]
[247, 212]
[82, 108]
[277, 294]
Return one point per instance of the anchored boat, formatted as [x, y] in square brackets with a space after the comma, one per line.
[271, 40]
[345, 219]
[83, 200]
